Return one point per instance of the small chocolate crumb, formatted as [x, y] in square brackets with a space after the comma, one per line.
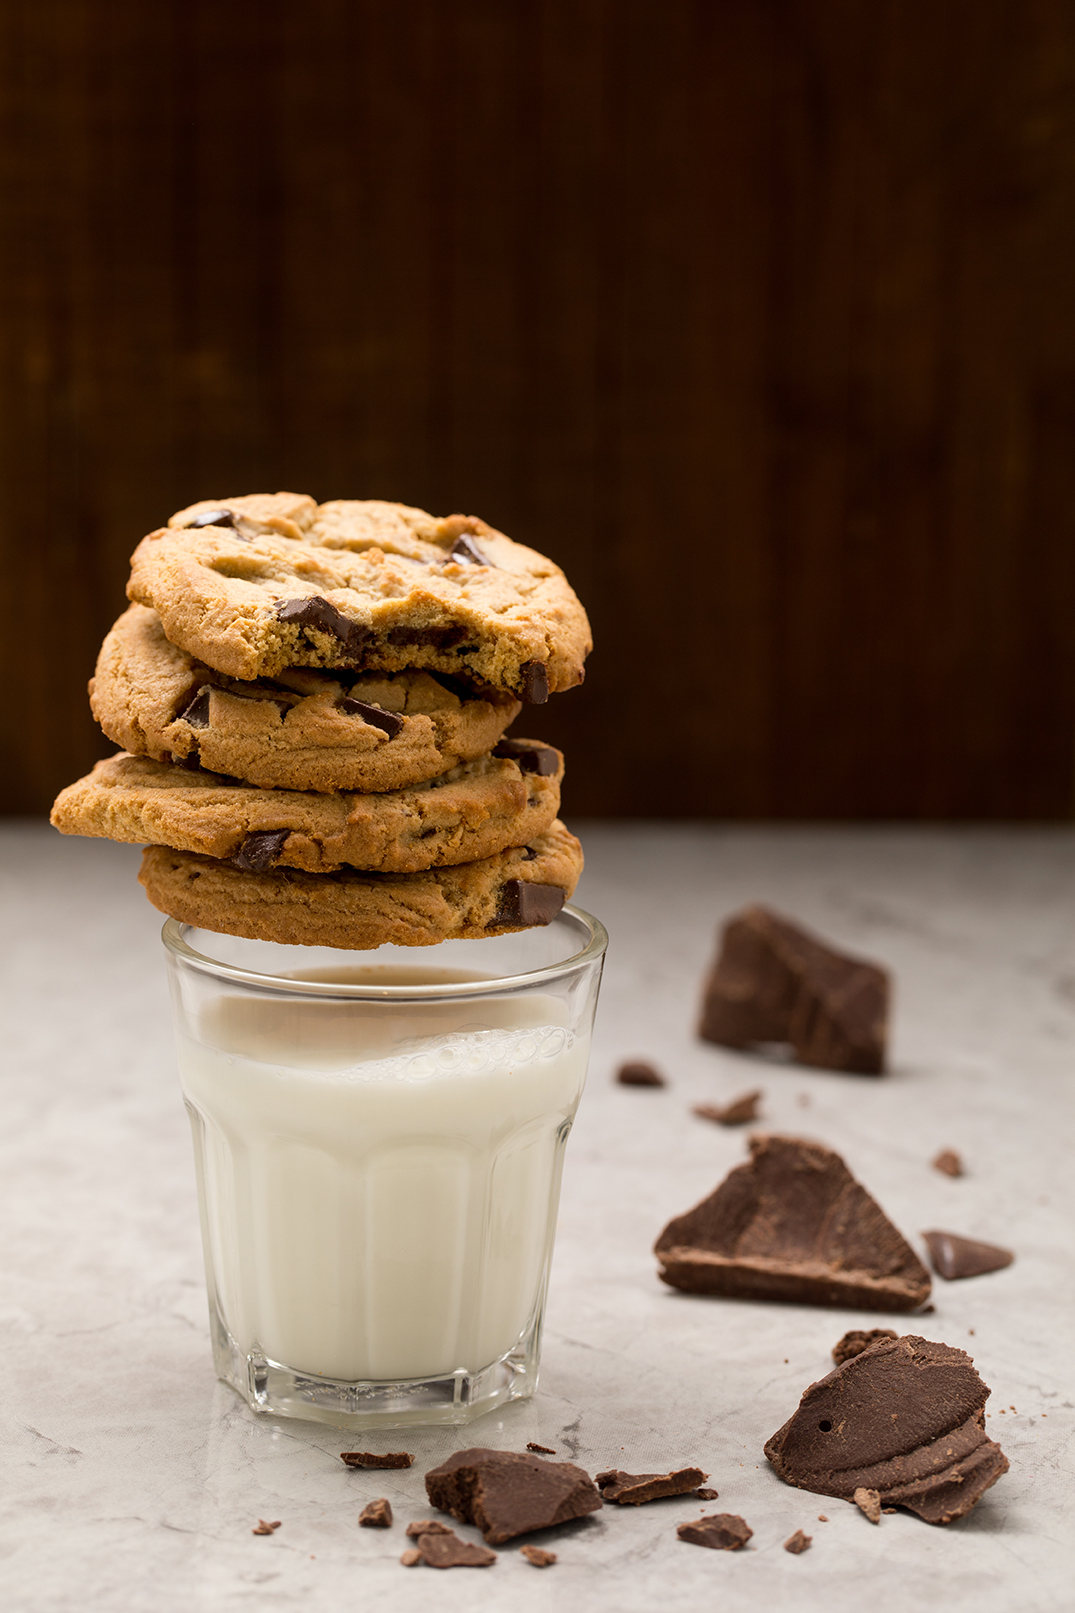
[542, 1450]
[632, 1489]
[376, 1515]
[955, 1257]
[264, 1528]
[538, 1556]
[797, 1543]
[892, 1510]
[868, 1503]
[637, 1073]
[949, 1162]
[368, 1459]
[724, 1531]
[539, 759]
[428, 1526]
[196, 711]
[389, 721]
[737, 1113]
[534, 683]
[192, 761]
[317, 613]
[821, 1518]
[506, 1493]
[260, 850]
[410, 1558]
[706, 1495]
[859, 1339]
[525, 903]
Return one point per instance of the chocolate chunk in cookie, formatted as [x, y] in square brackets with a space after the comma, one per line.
[317, 613]
[539, 759]
[526, 903]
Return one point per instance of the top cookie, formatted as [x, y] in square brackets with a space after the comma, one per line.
[254, 584]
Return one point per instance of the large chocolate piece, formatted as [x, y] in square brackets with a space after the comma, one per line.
[507, 1493]
[632, 1489]
[196, 711]
[522, 902]
[904, 1418]
[389, 721]
[798, 1543]
[376, 1514]
[857, 1340]
[955, 1257]
[318, 613]
[793, 1224]
[723, 1531]
[775, 983]
[260, 850]
[540, 759]
[948, 1162]
[535, 683]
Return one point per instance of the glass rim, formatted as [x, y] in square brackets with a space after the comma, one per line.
[174, 935]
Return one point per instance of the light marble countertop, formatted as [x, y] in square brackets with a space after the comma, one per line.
[132, 1478]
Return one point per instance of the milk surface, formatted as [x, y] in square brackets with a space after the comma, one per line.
[379, 1183]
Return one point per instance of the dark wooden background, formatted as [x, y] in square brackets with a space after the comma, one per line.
[758, 315]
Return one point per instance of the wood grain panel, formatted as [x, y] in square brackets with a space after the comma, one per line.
[755, 314]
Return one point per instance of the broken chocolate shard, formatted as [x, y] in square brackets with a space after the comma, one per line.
[260, 850]
[446, 1550]
[948, 1162]
[212, 518]
[904, 1418]
[955, 1257]
[524, 903]
[859, 1339]
[724, 1531]
[376, 1515]
[389, 721]
[740, 1112]
[868, 1503]
[638, 1073]
[538, 1556]
[540, 1450]
[632, 1489]
[192, 761]
[368, 1459]
[506, 1493]
[534, 683]
[539, 759]
[705, 1494]
[774, 982]
[465, 549]
[264, 1528]
[797, 1543]
[319, 614]
[793, 1224]
[196, 711]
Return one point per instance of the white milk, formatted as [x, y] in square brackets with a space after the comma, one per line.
[379, 1185]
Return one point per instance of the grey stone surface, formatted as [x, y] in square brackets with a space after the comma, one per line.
[132, 1480]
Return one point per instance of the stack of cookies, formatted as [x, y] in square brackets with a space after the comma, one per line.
[312, 701]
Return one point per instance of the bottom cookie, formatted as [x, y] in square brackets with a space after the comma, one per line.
[351, 909]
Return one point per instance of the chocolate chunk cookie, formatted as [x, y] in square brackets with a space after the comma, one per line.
[359, 911]
[255, 584]
[473, 811]
[305, 730]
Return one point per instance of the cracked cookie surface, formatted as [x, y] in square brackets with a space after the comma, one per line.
[469, 813]
[296, 732]
[254, 584]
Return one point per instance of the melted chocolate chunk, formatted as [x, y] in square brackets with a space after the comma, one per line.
[737, 1113]
[436, 638]
[793, 1224]
[538, 1556]
[797, 1543]
[506, 1493]
[637, 1073]
[376, 1515]
[390, 721]
[317, 613]
[540, 759]
[857, 1340]
[534, 683]
[904, 1419]
[724, 1531]
[955, 1257]
[524, 903]
[260, 850]
[465, 549]
[775, 983]
[632, 1489]
[368, 1459]
[196, 711]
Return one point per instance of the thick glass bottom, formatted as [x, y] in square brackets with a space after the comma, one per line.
[458, 1397]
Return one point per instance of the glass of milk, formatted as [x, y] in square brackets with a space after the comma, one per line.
[379, 1139]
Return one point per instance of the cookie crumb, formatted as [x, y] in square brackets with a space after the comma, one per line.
[638, 1073]
[264, 1528]
[948, 1162]
[538, 1556]
[376, 1515]
[868, 1503]
[427, 1526]
[821, 1518]
[797, 1543]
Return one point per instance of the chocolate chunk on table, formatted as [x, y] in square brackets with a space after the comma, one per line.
[442, 1548]
[376, 1515]
[955, 1257]
[739, 1112]
[705, 1494]
[857, 1340]
[369, 1459]
[537, 1556]
[541, 1450]
[792, 1224]
[637, 1073]
[724, 1531]
[904, 1418]
[774, 982]
[318, 613]
[948, 1161]
[260, 850]
[506, 1493]
[797, 1543]
[264, 1528]
[632, 1489]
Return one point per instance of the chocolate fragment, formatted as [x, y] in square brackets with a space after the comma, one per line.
[774, 982]
[196, 711]
[949, 1162]
[538, 1556]
[411, 1558]
[506, 1493]
[428, 1526]
[317, 613]
[544, 1450]
[721, 1532]
[704, 1494]
[637, 1073]
[905, 1419]
[534, 683]
[264, 1528]
[539, 759]
[792, 1224]
[857, 1340]
[260, 850]
[390, 721]
[797, 1543]
[954, 1257]
[524, 903]
[437, 638]
[632, 1489]
[368, 1459]
[737, 1113]
[376, 1515]
[465, 549]
[212, 518]
[192, 761]
[446, 1550]
[868, 1503]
